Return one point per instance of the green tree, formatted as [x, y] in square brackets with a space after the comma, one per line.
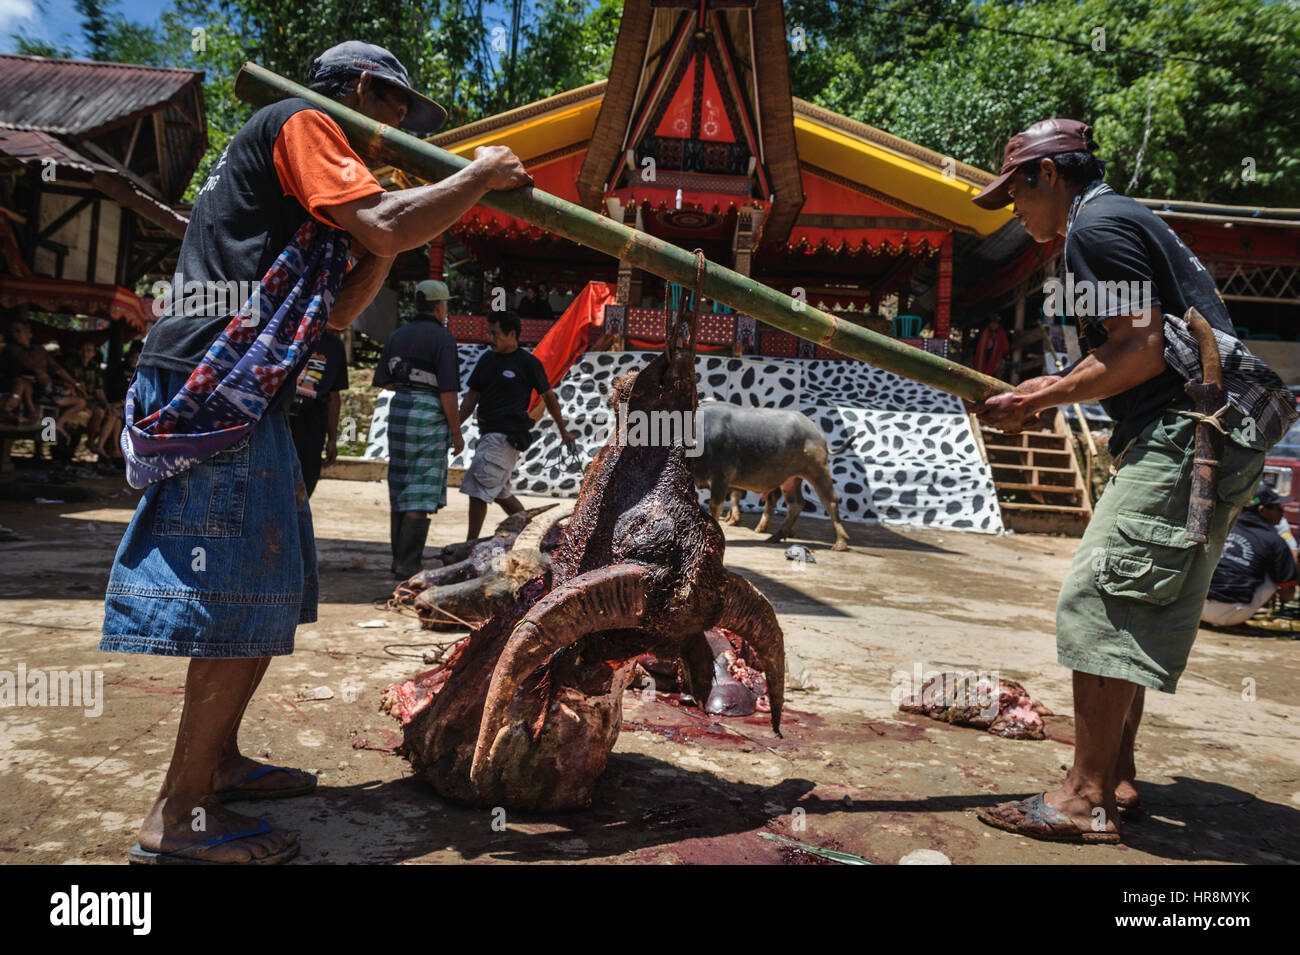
[28, 45]
[565, 46]
[94, 25]
[1193, 99]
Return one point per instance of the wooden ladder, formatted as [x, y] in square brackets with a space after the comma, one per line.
[1040, 486]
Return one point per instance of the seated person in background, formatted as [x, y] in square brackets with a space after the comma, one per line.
[50, 384]
[528, 303]
[103, 424]
[1256, 562]
[1284, 529]
[13, 401]
[543, 306]
[129, 362]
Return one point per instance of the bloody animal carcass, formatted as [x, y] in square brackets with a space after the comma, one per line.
[526, 712]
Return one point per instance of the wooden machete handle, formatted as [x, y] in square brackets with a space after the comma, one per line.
[1211, 367]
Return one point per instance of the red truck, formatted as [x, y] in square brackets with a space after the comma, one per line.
[1282, 471]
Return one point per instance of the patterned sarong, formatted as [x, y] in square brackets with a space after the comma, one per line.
[418, 435]
[262, 350]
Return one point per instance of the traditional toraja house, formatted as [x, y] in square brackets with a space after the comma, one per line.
[695, 138]
[94, 158]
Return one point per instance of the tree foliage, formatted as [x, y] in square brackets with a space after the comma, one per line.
[1192, 99]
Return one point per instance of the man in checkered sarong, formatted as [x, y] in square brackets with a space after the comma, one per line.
[419, 363]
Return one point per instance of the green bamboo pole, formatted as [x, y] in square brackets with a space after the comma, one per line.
[260, 86]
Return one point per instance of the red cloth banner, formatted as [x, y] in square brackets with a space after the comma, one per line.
[571, 334]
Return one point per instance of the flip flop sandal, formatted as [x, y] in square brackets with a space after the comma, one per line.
[141, 856]
[1131, 812]
[238, 790]
[1040, 821]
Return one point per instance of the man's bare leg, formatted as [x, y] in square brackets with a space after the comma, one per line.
[110, 428]
[70, 406]
[511, 504]
[234, 766]
[1101, 709]
[477, 512]
[1126, 793]
[216, 692]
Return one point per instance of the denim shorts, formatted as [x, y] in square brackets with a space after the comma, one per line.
[220, 560]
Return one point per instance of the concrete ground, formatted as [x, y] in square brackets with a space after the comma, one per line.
[1217, 764]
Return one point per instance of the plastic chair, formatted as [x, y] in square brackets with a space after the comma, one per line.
[907, 326]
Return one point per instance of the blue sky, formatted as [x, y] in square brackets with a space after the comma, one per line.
[59, 21]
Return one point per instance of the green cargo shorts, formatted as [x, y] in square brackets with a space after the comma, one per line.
[1131, 602]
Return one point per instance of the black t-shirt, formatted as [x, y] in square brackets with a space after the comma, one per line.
[241, 222]
[420, 355]
[535, 308]
[1254, 550]
[505, 384]
[1121, 257]
[325, 373]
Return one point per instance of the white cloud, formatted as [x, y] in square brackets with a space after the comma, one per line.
[13, 10]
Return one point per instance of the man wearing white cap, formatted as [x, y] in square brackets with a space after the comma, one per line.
[419, 364]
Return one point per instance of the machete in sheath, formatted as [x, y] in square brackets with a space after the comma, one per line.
[1207, 394]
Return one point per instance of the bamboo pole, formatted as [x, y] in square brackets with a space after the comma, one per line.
[372, 139]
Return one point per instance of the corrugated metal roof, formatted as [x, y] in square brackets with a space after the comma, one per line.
[30, 145]
[79, 96]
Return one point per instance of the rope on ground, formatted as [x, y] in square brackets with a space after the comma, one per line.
[440, 649]
[447, 613]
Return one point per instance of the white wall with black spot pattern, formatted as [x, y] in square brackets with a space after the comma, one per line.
[913, 459]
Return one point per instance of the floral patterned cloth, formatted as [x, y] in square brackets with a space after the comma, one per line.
[261, 351]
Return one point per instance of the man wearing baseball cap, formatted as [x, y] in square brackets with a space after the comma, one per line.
[420, 365]
[1131, 602]
[1256, 563]
[244, 511]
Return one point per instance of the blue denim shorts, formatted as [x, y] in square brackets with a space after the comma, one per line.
[220, 560]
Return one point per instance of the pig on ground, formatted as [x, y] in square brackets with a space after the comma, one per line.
[765, 450]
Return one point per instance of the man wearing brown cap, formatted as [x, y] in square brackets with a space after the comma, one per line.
[244, 511]
[1130, 604]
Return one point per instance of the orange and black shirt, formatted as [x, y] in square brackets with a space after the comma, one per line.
[288, 162]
